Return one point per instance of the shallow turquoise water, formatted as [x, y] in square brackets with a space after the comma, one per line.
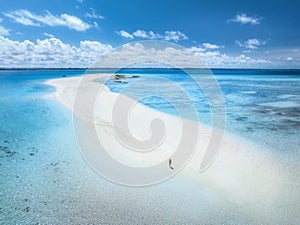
[44, 180]
[261, 105]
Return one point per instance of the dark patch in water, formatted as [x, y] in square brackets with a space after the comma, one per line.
[279, 112]
[54, 164]
[291, 123]
[273, 128]
[241, 118]
[292, 112]
[33, 151]
[249, 129]
[7, 151]
[261, 111]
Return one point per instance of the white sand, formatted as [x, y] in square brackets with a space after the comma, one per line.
[254, 182]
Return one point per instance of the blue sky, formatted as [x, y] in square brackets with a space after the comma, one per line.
[234, 34]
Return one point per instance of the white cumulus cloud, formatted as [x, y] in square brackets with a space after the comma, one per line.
[48, 35]
[27, 18]
[141, 34]
[93, 14]
[194, 57]
[175, 36]
[211, 46]
[253, 43]
[50, 52]
[125, 34]
[244, 19]
[168, 35]
[4, 31]
[146, 35]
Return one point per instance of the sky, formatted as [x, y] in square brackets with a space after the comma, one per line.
[225, 34]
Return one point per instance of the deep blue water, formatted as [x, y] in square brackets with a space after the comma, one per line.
[44, 179]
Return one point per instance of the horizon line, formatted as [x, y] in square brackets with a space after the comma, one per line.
[147, 68]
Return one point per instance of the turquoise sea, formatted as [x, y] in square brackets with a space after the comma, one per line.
[44, 180]
[261, 105]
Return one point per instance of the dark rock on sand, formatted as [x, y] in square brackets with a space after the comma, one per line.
[120, 78]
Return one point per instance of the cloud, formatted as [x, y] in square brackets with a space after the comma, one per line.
[23, 17]
[79, 1]
[50, 52]
[196, 49]
[251, 43]
[95, 24]
[93, 14]
[140, 53]
[193, 57]
[244, 19]
[48, 35]
[175, 36]
[140, 33]
[284, 57]
[168, 35]
[30, 19]
[216, 59]
[4, 31]
[211, 46]
[125, 34]
[147, 35]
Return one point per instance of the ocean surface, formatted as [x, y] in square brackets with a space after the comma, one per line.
[261, 105]
[44, 180]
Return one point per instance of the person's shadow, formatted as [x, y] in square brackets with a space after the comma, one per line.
[170, 164]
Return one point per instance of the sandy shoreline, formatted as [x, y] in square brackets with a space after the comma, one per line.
[251, 180]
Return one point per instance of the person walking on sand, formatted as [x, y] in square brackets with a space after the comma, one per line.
[170, 164]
